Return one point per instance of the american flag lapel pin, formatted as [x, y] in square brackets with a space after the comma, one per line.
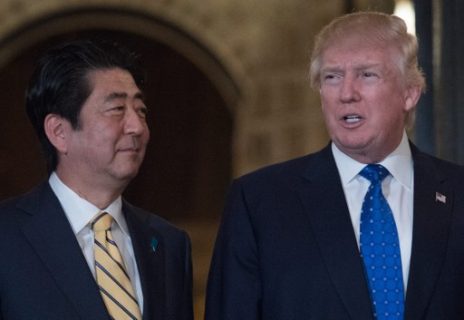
[440, 197]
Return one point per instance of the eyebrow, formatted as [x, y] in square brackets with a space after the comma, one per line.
[336, 68]
[368, 66]
[122, 95]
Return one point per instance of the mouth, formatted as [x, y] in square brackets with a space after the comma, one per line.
[131, 146]
[352, 118]
[129, 150]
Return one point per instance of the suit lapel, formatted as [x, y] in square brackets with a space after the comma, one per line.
[50, 234]
[433, 198]
[149, 252]
[324, 201]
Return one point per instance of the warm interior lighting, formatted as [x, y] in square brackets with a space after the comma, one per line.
[405, 10]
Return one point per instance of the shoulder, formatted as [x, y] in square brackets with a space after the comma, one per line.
[433, 165]
[291, 170]
[151, 220]
[27, 202]
[281, 182]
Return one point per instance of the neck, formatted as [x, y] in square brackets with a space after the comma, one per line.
[98, 194]
[371, 153]
[368, 158]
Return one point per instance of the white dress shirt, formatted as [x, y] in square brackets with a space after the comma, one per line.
[397, 188]
[80, 214]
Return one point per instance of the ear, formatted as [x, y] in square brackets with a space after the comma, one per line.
[56, 128]
[412, 95]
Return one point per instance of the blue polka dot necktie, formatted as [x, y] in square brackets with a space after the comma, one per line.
[380, 249]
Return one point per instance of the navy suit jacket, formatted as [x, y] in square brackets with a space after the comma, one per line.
[286, 249]
[44, 275]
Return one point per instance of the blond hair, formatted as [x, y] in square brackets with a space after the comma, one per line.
[374, 27]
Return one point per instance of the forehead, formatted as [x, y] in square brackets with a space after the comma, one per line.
[111, 80]
[357, 51]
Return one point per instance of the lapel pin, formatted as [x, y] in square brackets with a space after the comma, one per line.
[154, 244]
[440, 197]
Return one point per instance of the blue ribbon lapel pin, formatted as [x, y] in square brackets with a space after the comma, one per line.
[154, 244]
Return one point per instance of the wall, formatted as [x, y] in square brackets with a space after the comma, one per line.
[261, 46]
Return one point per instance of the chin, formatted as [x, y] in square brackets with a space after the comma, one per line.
[352, 143]
[127, 174]
[350, 147]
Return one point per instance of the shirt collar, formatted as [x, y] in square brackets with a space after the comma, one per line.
[81, 212]
[399, 163]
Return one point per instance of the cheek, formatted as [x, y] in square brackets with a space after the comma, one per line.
[390, 118]
[100, 140]
[325, 104]
[328, 111]
[328, 98]
[325, 95]
[105, 133]
[147, 134]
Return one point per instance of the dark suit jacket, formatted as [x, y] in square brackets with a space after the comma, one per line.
[44, 275]
[286, 248]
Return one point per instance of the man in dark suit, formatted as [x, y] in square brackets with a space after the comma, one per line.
[86, 105]
[367, 228]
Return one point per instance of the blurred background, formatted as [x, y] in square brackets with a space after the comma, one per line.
[228, 91]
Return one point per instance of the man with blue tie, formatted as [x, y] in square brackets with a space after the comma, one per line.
[367, 228]
[73, 248]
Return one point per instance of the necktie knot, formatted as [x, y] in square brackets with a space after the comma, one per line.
[102, 222]
[375, 173]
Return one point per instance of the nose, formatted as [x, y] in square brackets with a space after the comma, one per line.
[349, 91]
[135, 123]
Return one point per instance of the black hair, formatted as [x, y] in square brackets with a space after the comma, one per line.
[60, 84]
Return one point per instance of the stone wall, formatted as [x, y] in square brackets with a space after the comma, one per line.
[264, 45]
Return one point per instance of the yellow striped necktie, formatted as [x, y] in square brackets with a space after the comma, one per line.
[112, 278]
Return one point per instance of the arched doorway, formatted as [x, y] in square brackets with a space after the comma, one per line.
[190, 96]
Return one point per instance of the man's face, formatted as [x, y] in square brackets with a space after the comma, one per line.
[364, 98]
[109, 145]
